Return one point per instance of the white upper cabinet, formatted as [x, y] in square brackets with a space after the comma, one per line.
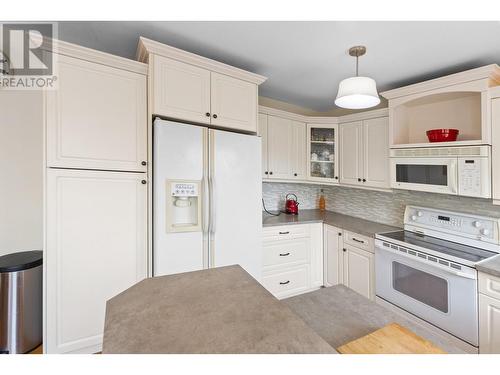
[285, 149]
[351, 153]
[96, 247]
[280, 147]
[233, 103]
[192, 88]
[322, 153]
[495, 146]
[180, 91]
[96, 119]
[364, 153]
[263, 134]
[376, 152]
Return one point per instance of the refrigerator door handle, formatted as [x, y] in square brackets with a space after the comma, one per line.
[206, 205]
[212, 206]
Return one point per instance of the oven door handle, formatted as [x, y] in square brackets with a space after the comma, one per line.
[437, 266]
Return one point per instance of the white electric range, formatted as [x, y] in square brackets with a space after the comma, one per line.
[428, 269]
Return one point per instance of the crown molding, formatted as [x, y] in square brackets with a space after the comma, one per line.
[148, 46]
[487, 73]
[382, 112]
[83, 53]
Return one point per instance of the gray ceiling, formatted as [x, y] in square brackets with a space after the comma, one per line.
[304, 61]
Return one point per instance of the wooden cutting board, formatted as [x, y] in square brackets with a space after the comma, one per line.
[391, 339]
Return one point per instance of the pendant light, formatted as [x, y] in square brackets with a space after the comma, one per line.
[357, 92]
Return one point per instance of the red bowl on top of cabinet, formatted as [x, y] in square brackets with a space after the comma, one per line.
[442, 135]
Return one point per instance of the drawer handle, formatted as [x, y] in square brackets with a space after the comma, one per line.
[284, 282]
[355, 239]
[284, 255]
[284, 232]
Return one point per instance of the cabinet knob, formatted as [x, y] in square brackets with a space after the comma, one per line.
[214, 116]
[364, 179]
[144, 162]
[359, 179]
[266, 172]
[344, 250]
[270, 172]
[207, 114]
[295, 174]
[336, 177]
[143, 182]
[340, 233]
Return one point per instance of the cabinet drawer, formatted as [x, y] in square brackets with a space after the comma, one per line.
[286, 232]
[359, 241]
[288, 281]
[284, 252]
[489, 285]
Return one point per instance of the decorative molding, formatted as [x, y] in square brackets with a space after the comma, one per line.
[148, 46]
[487, 73]
[383, 112]
[83, 53]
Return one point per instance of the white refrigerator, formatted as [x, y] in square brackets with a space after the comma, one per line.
[207, 194]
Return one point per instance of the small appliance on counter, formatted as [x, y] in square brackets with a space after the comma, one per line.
[291, 205]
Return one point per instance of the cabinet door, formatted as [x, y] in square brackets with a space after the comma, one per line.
[351, 160]
[333, 262]
[495, 149]
[489, 325]
[358, 271]
[298, 152]
[263, 135]
[96, 119]
[233, 103]
[279, 142]
[180, 91]
[322, 153]
[96, 247]
[376, 152]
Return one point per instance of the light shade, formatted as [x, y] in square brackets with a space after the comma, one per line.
[357, 93]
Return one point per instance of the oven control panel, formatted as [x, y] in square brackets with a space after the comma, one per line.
[426, 220]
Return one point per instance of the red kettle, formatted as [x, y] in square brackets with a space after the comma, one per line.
[291, 205]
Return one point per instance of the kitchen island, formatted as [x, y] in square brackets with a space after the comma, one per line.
[220, 310]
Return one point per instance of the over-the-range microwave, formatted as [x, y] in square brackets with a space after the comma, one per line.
[462, 171]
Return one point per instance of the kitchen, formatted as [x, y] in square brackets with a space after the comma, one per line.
[180, 171]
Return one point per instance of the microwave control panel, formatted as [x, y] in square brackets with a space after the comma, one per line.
[474, 177]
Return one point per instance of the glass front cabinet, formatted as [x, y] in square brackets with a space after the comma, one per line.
[322, 153]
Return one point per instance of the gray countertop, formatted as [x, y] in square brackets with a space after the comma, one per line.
[351, 223]
[490, 266]
[220, 310]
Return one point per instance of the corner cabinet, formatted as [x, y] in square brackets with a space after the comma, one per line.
[364, 153]
[96, 247]
[193, 88]
[322, 153]
[283, 148]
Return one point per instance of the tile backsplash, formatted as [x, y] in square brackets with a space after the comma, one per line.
[383, 207]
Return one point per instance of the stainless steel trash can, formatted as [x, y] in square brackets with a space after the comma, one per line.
[20, 302]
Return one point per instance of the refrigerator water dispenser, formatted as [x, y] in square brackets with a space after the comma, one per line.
[183, 206]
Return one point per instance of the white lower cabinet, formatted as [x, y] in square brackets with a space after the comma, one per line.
[349, 260]
[489, 314]
[293, 259]
[96, 247]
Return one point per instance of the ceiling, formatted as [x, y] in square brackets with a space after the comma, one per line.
[305, 61]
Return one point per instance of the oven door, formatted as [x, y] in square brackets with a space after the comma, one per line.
[435, 175]
[443, 297]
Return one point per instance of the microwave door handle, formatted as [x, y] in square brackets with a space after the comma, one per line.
[454, 174]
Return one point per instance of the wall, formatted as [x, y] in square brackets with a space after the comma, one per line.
[21, 166]
[383, 207]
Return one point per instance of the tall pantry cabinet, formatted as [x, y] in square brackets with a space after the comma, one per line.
[95, 193]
